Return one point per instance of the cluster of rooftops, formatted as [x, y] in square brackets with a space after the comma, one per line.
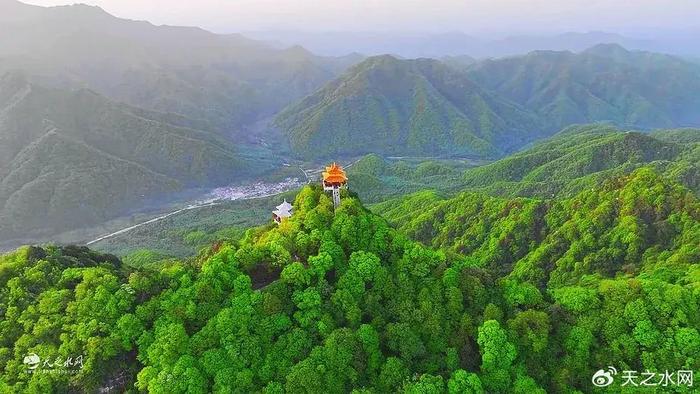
[334, 178]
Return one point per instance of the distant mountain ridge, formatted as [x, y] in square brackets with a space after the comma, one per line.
[387, 105]
[229, 80]
[488, 108]
[438, 45]
[604, 83]
[75, 158]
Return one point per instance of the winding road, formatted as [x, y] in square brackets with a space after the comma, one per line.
[281, 187]
[308, 174]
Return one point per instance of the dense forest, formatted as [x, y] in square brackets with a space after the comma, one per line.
[511, 225]
[468, 294]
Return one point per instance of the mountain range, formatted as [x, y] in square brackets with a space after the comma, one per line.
[455, 43]
[405, 107]
[229, 80]
[100, 115]
[76, 158]
[488, 108]
[603, 83]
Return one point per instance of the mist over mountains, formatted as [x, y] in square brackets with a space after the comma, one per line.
[456, 43]
[228, 80]
[394, 106]
[75, 158]
[99, 115]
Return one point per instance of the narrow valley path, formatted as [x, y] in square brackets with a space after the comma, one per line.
[279, 188]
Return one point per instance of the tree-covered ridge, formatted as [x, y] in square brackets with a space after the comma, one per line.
[495, 231]
[632, 89]
[386, 105]
[548, 294]
[75, 158]
[623, 226]
[376, 179]
[581, 157]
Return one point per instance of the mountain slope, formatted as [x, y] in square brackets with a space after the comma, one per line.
[582, 156]
[404, 107]
[228, 80]
[71, 158]
[604, 83]
[541, 241]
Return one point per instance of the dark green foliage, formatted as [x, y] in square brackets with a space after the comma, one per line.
[375, 179]
[405, 107]
[73, 159]
[605, 83]
[495, 231]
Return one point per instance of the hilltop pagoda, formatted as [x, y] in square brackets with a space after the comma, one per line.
[282, 212]
[334, 178]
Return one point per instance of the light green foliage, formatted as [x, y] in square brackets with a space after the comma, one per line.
[61, 303]
[581, 157]
[497, 356]
[500, 295]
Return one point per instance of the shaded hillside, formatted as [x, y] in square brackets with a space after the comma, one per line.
[73, 158]
[604, 83]
[228, 80]
[582, 156]
[405, 107]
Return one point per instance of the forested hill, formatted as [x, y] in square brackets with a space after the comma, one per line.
[632, 89]
[387, 105]
[580, 157]
[229, 80]
[75, 158]
[526, 296]
[491, 107]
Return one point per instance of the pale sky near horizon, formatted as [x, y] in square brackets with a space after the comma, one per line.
[409, 15]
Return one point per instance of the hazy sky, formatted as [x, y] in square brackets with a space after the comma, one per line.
[409, 15]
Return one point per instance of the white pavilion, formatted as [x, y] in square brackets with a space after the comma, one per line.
[282, 212]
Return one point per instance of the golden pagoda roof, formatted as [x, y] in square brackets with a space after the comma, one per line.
[334, 174]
